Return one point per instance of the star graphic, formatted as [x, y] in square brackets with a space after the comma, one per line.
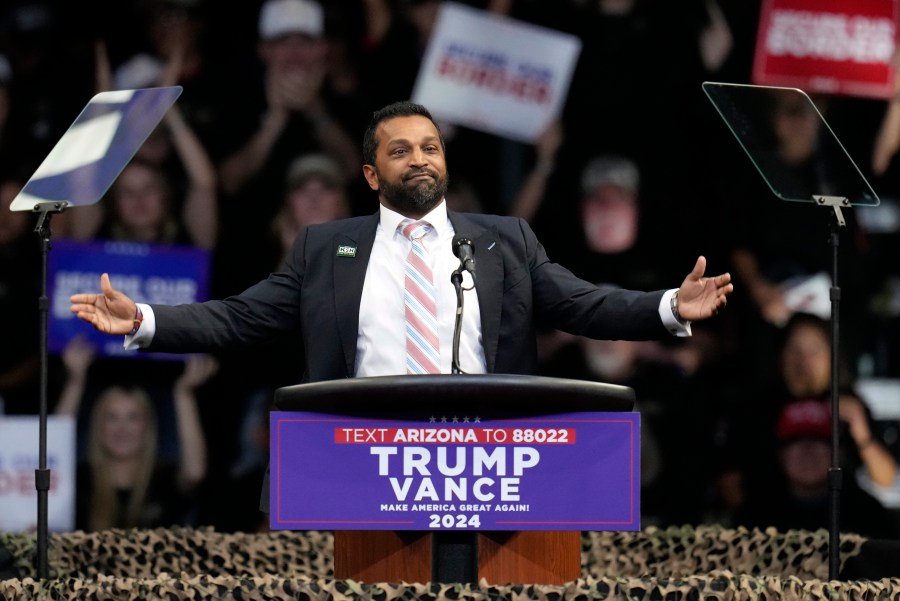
[466, 419]
[443, 420]
[477, 420]
[432, 419]
[455, 419]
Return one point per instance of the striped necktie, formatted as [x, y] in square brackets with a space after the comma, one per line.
[422, 344]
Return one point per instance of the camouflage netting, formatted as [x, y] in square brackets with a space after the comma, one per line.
[702, 564]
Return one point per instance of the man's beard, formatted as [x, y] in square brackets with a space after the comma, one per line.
[418, 198]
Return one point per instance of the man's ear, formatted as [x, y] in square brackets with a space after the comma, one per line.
[371, 176]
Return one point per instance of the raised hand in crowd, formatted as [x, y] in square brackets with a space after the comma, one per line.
[887, 139]
[534, 187]
[880, 465]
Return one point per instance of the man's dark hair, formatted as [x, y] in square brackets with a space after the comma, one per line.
[397, 109]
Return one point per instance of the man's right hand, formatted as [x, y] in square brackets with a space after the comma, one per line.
[110, 311]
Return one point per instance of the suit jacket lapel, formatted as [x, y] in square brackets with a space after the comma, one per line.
[349, 276]
[488, 280]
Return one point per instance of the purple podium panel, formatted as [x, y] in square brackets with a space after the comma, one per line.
[574, 471]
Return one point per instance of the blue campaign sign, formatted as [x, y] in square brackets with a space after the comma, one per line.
[578, 471]
[148, 273]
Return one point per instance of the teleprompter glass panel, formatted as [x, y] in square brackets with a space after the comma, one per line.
[790, 143]
[96, 147]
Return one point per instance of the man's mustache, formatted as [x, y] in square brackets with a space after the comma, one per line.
[411, 174]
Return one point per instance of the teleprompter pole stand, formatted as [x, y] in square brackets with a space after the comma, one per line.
[835, 477]
[42, 473]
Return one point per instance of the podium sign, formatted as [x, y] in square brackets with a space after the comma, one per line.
[573, 471]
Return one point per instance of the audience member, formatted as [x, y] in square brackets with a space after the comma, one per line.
[804, 367]
[315, 192]
[166, 194]
[141, 210]
[620, 73]
[603, 237]
[289, 113]
[293, 107]
[122, 481]
[797, 494]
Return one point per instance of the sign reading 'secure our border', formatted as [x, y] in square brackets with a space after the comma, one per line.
[828, 46]
[577, 471]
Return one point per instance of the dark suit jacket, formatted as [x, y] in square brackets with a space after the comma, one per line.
[320, 290]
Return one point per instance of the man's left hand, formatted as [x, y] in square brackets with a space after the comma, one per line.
[701, 297]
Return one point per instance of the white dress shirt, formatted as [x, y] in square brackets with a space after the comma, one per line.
[381, 343]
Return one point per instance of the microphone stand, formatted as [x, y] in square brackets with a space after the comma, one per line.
[835, 476]
[456, 278]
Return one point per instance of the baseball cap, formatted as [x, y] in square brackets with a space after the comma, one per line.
[314, 166]
[282, 17]
[616, 170]
[807, 418]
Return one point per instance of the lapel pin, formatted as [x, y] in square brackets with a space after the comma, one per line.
[346, 251]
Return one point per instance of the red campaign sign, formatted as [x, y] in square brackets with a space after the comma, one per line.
[827, 46]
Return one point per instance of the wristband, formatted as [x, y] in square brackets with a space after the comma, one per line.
[138, 320]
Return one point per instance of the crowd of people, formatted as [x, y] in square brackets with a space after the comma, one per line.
[636, 177]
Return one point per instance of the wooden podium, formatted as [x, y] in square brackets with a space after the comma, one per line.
[535, 557]
[502, 557]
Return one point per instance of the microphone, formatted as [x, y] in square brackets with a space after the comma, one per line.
[465, 251]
